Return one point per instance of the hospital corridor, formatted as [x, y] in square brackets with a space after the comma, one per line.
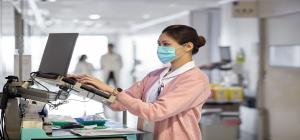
[150, 69]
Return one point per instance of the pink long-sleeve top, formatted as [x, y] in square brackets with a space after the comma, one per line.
[176, 112]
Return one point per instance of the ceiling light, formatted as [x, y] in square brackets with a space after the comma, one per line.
[146, 16]
[94, 16]
[52, 0]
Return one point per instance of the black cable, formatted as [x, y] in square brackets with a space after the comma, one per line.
[5, 91]
[44, 106]
[88, 94]
[5, 128]
[1, 137]
[33, 79]
[2, 123]
[22, 109]
[1, 132]
[53, 106]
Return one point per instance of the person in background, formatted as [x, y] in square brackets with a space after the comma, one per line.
[111, 64]
[169, 100]
[84, 67]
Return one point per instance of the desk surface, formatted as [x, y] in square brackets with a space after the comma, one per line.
[37, 133]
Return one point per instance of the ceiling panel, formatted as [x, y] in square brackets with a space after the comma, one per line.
[116, 15]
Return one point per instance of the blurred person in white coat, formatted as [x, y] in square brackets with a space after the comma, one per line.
[111, 64]
[84, 67]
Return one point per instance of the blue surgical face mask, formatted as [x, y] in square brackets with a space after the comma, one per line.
[166, 54]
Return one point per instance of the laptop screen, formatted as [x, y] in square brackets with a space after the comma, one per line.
[58, 53]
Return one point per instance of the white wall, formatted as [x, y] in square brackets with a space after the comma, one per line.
[241, 33]
[207, 24]
[146, 45]
[7, 56]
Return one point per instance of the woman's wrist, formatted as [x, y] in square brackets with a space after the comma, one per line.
[110, 89]
[116, 91]
[113, 91]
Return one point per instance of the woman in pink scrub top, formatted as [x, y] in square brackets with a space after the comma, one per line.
[169, 100]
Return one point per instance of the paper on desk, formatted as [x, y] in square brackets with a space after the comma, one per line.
[61, 118]
[90, 126]
[108, 131]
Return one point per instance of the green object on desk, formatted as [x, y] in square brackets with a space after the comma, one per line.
[98, 122]
[98, 127]
[61, 123]
[92, 122]
[37, 133]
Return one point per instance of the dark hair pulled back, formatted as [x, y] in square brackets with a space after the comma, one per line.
[184, 34]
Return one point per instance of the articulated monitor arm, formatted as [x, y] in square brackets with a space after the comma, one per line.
[15, 88]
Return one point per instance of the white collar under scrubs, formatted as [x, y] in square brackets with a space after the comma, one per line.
[152, 93]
